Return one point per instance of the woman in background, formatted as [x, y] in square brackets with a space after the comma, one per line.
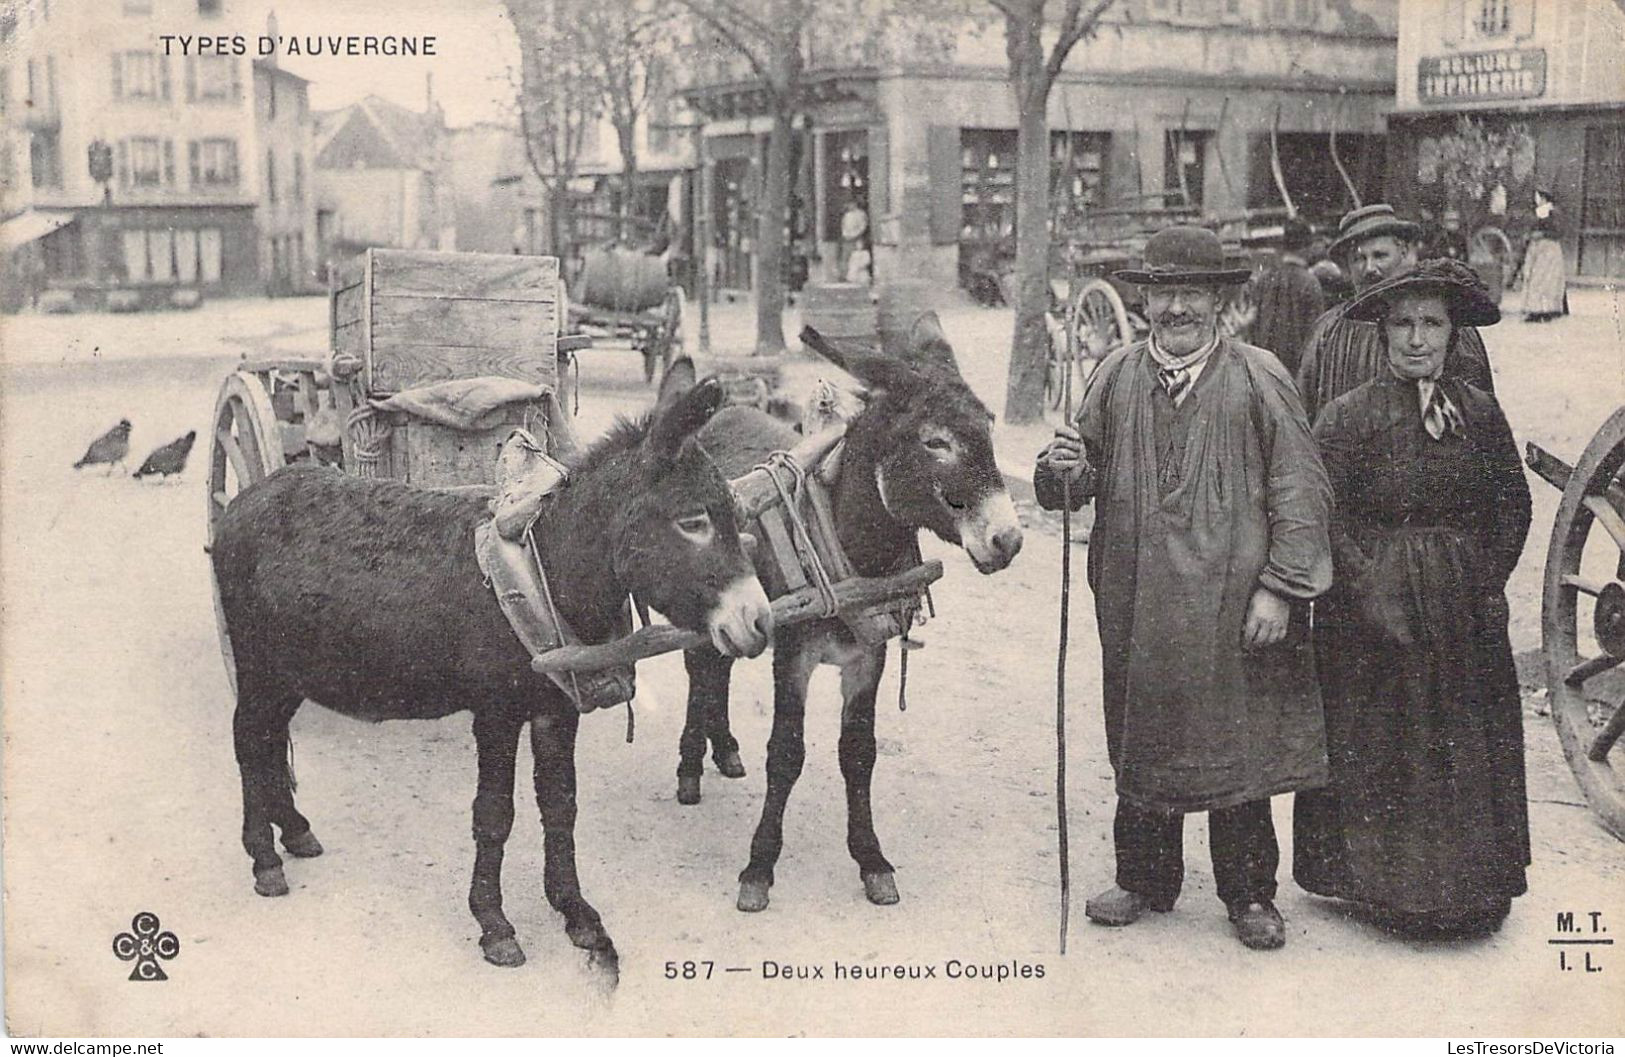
[1545, 287]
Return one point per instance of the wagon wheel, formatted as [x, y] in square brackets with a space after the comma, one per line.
[1491, 241]
[1101, 320]
[1056, 363]
[245, 446]
[1583, 617]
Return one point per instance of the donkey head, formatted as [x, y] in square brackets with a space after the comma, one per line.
[931, 443]
[677, 543]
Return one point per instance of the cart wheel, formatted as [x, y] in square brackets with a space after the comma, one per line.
[1584, 606]
[245, 446]
[1102, 321]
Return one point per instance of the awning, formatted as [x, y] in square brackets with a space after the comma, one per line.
[25, 227]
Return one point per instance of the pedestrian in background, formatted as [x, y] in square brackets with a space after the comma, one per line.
[1343, 353]
[1287, 299]
[1425, 818]
[1209, 540]
[1545, 286]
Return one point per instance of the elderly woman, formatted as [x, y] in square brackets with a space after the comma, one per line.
[1425, 818]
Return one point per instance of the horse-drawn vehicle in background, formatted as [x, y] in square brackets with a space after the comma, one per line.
[1105, 312]
[627, 295]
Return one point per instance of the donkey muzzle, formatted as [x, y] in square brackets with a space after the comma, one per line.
[741, 624]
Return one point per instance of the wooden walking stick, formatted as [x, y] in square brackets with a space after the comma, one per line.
[1066, 599]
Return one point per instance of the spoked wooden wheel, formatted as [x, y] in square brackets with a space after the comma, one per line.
[1102, 321]
[245, 445]
[1057, 364]
[1583, 620]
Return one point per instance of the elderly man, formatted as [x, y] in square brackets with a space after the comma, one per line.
[1341, 353]
[1210, 538]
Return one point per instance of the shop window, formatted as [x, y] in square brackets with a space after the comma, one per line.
[987, 186]
[1077, 170]
[186, 256]
[208, 255]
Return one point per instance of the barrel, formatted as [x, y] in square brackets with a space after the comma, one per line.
[621, 280]
[838, 310]
[902, 301]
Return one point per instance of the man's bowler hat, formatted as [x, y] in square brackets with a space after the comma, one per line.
[1186, 256]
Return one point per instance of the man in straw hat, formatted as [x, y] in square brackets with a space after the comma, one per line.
[1342, 353]
[1210, 538]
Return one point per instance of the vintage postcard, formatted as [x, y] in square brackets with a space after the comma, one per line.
[362, 676]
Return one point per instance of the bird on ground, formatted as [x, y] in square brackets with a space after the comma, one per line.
[109, 449]
[169, 459]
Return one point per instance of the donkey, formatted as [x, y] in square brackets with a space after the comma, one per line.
[919, 456]
[365, 596]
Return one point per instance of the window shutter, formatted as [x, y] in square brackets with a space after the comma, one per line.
[123, 163]
[236, 80]
[879, 175]
[191, 78]
[163, 77]
[942, 149]
[118, 76]
[192, 163]
[231, 161]
[169, 163]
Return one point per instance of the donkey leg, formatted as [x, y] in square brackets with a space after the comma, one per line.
[860, 680]
[553, 746]
[297, 838]
[793, 665]
[259, 747]
[496, 738]
[708, 673]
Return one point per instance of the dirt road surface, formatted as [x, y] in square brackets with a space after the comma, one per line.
[122, 794]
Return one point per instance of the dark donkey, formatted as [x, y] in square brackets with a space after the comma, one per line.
[366, 596]
[919, 456]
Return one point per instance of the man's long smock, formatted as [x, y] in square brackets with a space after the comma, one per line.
[1198, 506]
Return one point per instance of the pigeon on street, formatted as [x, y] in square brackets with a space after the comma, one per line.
[169, 459]
[109, 449]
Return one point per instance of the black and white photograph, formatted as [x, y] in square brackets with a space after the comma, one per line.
[834, 518]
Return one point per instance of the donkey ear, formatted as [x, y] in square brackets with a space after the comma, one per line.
[678, 379]
[683, 417]
[927, 344]
[873, 369]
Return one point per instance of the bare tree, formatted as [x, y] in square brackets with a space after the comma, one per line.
[1033, 72]
[629, 45]
[560, 97]
[772, 37]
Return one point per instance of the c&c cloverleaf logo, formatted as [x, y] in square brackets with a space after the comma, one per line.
[144, 945]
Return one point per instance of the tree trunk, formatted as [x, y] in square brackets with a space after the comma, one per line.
[775, 208]
[1029, 346]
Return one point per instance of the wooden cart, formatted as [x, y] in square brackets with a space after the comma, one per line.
[1583, 614]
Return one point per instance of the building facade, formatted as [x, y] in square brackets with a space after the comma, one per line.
[186, 203]
[384, 178]
[1172, 103]
[1496, 98]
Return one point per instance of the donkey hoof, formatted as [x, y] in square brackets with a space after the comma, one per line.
[302, 845]
[688, 790]
[881, 888]
[752, 896]
[270, 881]
[607, 961]
[729, 765]
[503, 951]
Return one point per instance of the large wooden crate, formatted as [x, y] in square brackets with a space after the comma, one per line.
[416, 317]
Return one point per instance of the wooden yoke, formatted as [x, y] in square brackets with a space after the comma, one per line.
[875, 607]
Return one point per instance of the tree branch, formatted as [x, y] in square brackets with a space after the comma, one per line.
[1074, 27]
